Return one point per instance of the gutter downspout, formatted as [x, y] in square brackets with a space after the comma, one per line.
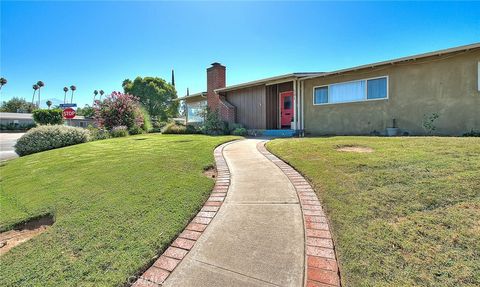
[302, 84]
[295, 105]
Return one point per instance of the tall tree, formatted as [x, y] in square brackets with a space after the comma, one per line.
[49, 104]
[101, 94]
[95, 93]
[40, 85]
[17, 105]
[65, 89]
[155, 94]
[35, 88]
[72, 88]
[3, 82]
[87, 111]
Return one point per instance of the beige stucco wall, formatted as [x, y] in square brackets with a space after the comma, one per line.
[446, 85]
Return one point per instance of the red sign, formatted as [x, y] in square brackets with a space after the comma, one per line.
[69, 113]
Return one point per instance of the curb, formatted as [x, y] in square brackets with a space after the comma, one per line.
[320, 259]
[160, 270]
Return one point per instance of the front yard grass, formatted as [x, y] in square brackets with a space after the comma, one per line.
[406, 214]
[117, 203]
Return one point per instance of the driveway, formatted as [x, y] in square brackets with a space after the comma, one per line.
[7, 141]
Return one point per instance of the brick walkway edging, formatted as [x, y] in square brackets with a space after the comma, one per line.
[166, 263]
[320, 260]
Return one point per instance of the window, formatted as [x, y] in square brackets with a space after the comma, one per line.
[287, 103]
[195, 111]
[321, 95]
[354, 91]
[347, 92]
[377, 88]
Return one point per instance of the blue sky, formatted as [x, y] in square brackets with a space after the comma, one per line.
[96, 45]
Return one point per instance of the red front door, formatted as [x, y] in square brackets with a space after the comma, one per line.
[286, 108]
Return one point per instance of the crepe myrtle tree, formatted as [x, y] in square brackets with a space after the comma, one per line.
[155, 94]
[118, 109]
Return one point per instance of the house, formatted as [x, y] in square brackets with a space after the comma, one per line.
[19, 120]
[404, 93]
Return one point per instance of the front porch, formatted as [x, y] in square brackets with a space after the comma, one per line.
[283, 108]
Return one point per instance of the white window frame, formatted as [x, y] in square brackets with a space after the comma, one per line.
[366, 99]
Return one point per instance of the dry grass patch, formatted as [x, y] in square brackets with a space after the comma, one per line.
[353, 148]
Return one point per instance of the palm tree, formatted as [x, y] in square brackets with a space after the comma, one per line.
[35, 88]
[72, 88]
[40, 84]
[65, 89]
[95, 93]
[3, 81]
[49, 104]
[101, 94]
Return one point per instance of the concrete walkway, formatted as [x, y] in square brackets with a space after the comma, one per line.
[257, 237]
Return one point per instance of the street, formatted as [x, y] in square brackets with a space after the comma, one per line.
[7, 141]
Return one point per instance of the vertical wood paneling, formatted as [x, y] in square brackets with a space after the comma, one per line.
[250, 106]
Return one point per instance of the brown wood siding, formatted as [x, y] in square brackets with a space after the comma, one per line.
[250, 106]
[285, 87]
[273, 104]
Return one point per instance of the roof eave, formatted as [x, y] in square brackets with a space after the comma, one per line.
[399, 60]
[266, 81]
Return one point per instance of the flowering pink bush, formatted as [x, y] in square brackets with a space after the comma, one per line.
[118, 109]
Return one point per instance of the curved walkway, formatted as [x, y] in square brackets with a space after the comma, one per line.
[256, 239]
[259, 236]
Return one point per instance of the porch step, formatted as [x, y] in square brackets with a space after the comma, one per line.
[279, 133]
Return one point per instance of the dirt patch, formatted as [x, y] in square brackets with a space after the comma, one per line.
[354, 148]
[210, 171]
[24, 232]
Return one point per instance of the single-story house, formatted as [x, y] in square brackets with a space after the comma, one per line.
[439, 89]
[25, 119]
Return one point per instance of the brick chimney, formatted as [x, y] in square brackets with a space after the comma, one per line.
[216, 79]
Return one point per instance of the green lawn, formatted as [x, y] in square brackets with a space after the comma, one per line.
[117, 203]
[407, 214]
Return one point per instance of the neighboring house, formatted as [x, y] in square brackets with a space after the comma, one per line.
[23, 119]
[356, 101]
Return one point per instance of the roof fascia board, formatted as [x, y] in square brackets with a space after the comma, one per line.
[398, 60]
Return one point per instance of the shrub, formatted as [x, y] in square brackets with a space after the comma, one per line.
[213, 125]
[135, 130]
[118, 109]
[174, 128]
[239, 132]
[429, 122]
[17, 127]
[158, 126]
[120, 131]
[191, 129]
[147, 122]
[472, 133]
[48, 117]
[234, 126]
[98, 134]
[50, 137]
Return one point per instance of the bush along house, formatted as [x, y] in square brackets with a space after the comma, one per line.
[433, 93]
